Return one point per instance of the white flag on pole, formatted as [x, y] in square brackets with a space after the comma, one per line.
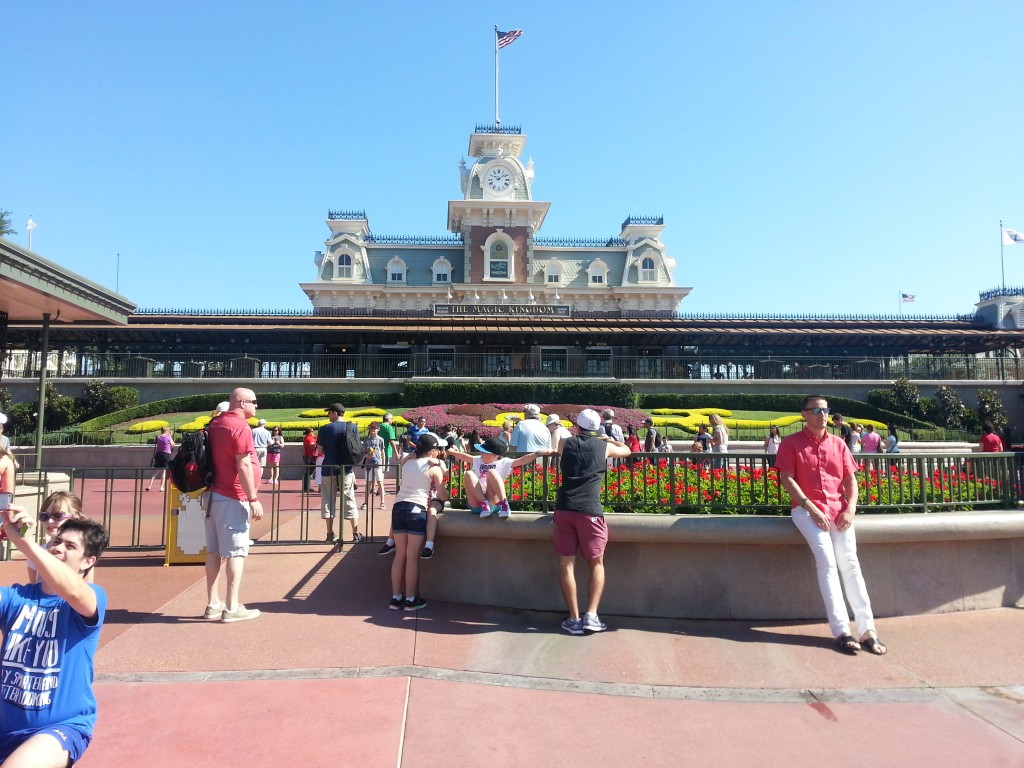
[1011, 236]
[31, 224]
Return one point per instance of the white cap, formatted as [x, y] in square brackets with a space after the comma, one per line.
[531, 410]
[223, 406]
[3, 418]
[588, 420]
[553, 419]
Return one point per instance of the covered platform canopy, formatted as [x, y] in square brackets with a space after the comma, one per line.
[39, 292]
[31, 287]
[269, 332]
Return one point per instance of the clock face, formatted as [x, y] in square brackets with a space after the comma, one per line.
[499, 179]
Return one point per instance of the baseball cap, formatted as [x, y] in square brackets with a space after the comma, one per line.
[441, 442]
[337, 408]
[588, 420]
[553, 419]
[428, 440]
[223, 406]
[491, 445]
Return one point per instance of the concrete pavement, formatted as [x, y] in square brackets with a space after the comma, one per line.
[329, 676]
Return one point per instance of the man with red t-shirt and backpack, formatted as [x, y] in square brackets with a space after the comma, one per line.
[233, 500]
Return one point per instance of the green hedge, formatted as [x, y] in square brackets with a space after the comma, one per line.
[774, 402]
[499, 391]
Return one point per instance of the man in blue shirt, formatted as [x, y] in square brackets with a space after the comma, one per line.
[50, 632]
[327, 440]
[412, 435]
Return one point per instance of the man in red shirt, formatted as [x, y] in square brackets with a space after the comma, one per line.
[990, 442]
[819, 474]
[233, 500]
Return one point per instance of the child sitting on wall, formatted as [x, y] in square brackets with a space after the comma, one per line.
[485, 481]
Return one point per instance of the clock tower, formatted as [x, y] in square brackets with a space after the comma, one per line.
[497, 216]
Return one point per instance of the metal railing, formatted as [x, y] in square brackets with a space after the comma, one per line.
[556, 362]
[655, 483]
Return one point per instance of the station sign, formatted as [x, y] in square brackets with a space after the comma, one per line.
[503, 310]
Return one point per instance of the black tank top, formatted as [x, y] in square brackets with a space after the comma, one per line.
[583, 465]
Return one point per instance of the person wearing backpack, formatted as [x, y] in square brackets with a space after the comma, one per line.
[233, 501]
[338, 442]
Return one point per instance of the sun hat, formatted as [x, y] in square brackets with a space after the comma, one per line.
[531, 410]
[588, 420]
[553, 419]
[491, 445]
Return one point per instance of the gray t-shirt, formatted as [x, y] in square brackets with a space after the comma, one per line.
[260, 438]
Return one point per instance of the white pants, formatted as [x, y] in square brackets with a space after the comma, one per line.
[835, 557]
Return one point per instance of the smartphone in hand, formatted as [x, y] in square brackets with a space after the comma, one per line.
[6, 499]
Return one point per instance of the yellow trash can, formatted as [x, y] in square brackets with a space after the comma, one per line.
[186, 526]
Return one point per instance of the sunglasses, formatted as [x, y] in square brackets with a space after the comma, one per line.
[818, 411]
[254, 403]
[52, 517]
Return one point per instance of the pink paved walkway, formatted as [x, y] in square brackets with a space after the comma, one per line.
[328, 676]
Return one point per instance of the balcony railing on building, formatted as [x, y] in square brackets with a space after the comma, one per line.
[554, 362]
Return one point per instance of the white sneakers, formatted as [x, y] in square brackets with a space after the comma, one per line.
[241, 613]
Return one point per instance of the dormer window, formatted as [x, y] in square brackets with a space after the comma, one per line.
[442, 270]
[345, 267]
[647, 271]
[396, 270]
[553, 273]
[327, 270]
[597, 272]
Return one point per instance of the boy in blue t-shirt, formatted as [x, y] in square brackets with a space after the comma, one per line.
[50, 632]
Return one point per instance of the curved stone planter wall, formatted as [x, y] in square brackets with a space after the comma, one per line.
[723, 567]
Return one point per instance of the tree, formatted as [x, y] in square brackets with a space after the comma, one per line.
[950, 411]
[6, 228]
[907, 396]
[99, 398]
[990, 409]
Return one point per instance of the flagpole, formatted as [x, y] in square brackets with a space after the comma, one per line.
[496, 120]
[899, 299]
[1002, 263]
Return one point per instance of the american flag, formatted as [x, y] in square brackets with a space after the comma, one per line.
[507, 38]
[907, 298]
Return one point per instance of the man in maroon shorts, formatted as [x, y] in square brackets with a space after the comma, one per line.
[579, 516]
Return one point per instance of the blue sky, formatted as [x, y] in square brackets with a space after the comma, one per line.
[807, 156]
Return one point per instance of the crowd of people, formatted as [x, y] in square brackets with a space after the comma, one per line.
[47, 713]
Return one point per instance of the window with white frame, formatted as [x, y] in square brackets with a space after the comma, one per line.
[442, 270]
[553, 273]
[598, 272]
[396, 270]
[498, 261]
[647, 272]
[345, 267]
